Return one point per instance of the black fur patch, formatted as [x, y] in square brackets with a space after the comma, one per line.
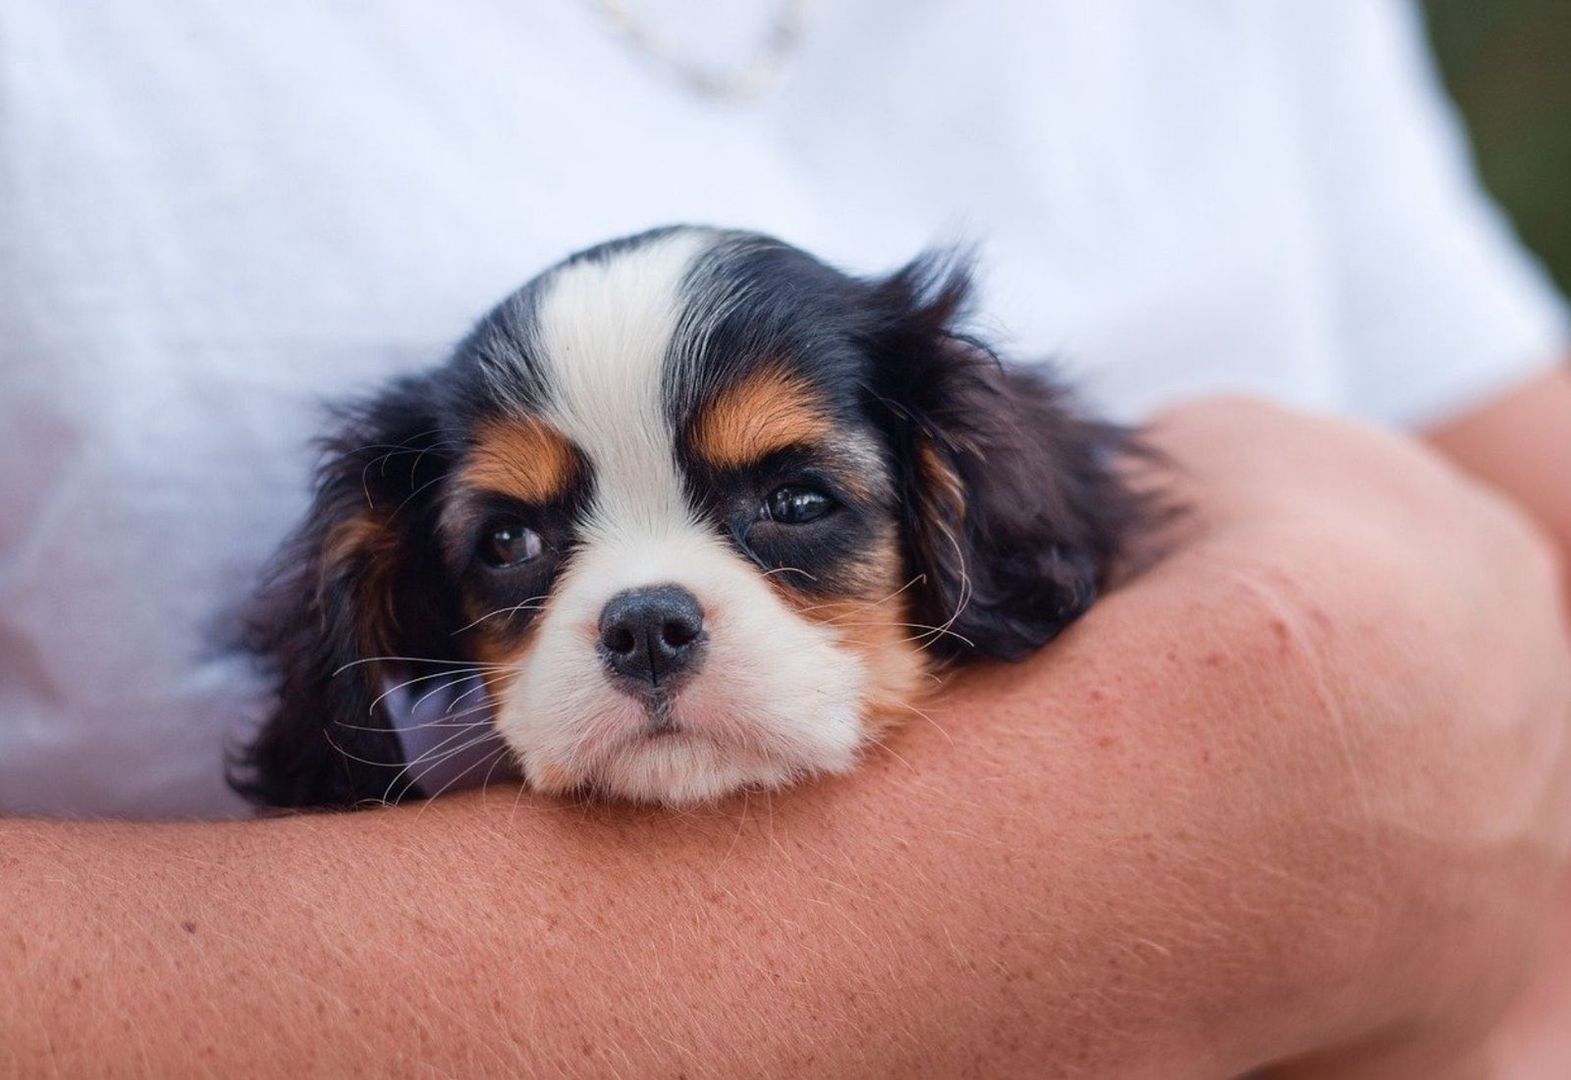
[361, 580]
[1013, 505]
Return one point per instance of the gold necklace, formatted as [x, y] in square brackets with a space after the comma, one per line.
[748, 79]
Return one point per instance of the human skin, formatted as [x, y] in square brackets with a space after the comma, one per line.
[1520, 444]
[1299, 791]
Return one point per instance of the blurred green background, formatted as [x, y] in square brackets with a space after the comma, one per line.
[1508, 63]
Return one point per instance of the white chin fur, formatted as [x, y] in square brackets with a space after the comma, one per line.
[682, 770]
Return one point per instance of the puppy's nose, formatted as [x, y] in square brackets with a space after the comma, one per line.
[652, 635]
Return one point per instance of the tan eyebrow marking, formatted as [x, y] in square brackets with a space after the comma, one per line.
[367, 541]
[523, 457]
[765, 412]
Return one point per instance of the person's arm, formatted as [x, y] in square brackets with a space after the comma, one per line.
[1300, 787]
[1520, 444]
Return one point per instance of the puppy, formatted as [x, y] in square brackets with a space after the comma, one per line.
[688, 513]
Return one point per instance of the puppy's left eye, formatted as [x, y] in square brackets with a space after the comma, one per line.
[509, 542]
[794, 504]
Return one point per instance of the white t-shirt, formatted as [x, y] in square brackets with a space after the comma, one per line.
[213, 215]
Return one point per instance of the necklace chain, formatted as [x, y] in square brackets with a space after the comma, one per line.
[748, 79]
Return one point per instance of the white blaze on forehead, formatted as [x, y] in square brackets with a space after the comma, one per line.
[604, 329]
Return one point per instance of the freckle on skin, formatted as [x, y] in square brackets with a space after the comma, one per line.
[188, 926]
[1215, 659]
[1107, 740]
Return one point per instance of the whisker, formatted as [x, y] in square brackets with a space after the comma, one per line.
[495, 757]
[869, 603]
[503, 752]
[394, 450]
[453, 745]
[449, 718]
[416, 492]
[529, 605]
[928, 631]
[457, 678]
[413, 660]
[941, 729]
[964, 599]
[437, 754]
[414, 710]
[886, 748]
[789, 570]
[415, 782]
[439, 722]
[478, 686]
[328, 734]
[518, 796]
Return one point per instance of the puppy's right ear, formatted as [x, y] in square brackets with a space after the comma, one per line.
[1016, 503]
[362, 580]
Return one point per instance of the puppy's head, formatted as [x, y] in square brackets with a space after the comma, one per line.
[700, 512]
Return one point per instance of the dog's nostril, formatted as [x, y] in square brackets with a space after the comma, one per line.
[679, 632]
[619, 639]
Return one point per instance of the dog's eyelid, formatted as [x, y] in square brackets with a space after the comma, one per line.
[484, 504]
[495, 502]
[804, 464]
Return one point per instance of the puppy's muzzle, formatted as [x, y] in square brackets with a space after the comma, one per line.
[652, 638]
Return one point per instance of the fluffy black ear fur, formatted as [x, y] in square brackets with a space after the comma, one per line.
[341, 595]
[1014, 507]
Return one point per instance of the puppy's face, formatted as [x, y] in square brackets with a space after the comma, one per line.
[700, 510]
[677, 534]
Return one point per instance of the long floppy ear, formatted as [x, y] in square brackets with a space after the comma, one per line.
[1014, 505]
[360, 581]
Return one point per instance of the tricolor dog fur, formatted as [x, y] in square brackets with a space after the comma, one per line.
[699, 512]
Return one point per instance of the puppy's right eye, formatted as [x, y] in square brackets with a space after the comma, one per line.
[795, 504]
[509, 542]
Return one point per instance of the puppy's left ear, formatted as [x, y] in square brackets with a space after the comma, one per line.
[1014, 505]
[359, 591]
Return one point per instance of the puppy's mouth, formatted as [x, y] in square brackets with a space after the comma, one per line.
[660, 716]
[663, 723]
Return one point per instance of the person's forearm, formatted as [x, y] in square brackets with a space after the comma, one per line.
[975, 904]
[1520, 445]
[1164, 847]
